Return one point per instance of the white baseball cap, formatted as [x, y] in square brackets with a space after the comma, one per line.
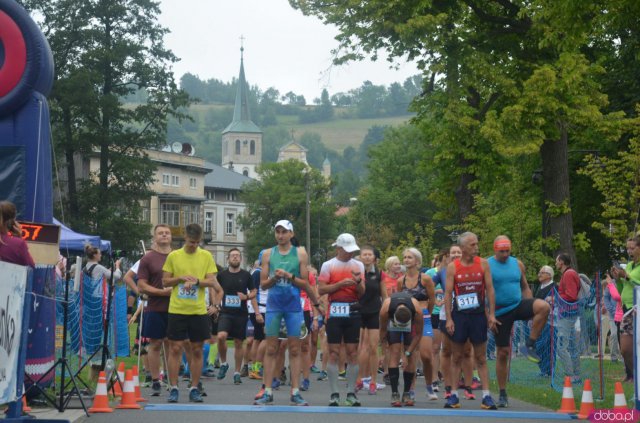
[347, 242]
[285, 224]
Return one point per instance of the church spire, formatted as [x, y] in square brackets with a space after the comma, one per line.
[241, 117]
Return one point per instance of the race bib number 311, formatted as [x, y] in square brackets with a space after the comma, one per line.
[339, 310]
[467, 301]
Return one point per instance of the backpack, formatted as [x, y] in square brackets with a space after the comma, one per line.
[585, 287]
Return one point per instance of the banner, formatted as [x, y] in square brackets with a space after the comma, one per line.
[12, 293]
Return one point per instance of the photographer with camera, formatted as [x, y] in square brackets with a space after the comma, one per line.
[95, 270]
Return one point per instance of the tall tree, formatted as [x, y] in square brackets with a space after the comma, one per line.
[106, 51]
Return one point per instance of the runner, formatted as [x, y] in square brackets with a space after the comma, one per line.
[514, 301]
[284, 272]
[401, 324]
[392, 277]
[154, 323]
[469, 277]
[438, 291]
[342, 278]
[375, 292]
[188, 271]
[311, 322]
[237, 287]
[420, 286]
[257, 308]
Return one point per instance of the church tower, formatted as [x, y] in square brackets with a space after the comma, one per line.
[242, 139]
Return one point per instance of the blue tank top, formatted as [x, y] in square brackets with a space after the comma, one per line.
[506, 282]
[283, 295]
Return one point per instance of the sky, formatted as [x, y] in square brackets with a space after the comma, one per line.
[282, 47]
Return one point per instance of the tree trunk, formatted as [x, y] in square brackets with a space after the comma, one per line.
[106, 119]
[555, 170]
[464, 195]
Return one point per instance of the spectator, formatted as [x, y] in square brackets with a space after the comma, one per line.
[13, 249]
[568, 312]
[630, 277]
[611, 316]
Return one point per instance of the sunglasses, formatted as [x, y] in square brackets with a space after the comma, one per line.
[503, 251]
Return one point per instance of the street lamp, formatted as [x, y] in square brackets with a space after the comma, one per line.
[306, 171]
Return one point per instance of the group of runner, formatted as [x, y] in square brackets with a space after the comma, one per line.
[440, 316]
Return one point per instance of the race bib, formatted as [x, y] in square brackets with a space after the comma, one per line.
[439, 297]
[187, 293]
[232, 301]
[283, 282]
[339, 310]
[398, 327]
[302, 301]
[467, 301]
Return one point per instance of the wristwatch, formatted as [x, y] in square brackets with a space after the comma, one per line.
[407, 353]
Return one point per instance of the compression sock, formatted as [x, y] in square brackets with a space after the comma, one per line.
[352, 375]
[408, 380]
[332, 371]
[213, 352]
[394, 377]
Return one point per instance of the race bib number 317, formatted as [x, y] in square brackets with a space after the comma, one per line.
[467, 301]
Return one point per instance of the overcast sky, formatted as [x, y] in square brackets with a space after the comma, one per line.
[283, 48]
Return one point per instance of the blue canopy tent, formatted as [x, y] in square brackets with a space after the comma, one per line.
[73, 241]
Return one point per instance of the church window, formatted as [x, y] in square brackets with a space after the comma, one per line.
[237, 146]
[252, 148]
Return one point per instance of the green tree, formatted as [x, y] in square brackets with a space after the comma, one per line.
[105, 50]
[280, 193]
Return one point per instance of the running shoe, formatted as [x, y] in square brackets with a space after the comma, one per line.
[435, 386]
[304, 386]
[461, 383]
[530, 353]
[503, 401]
[488, 404]
[186, 375]
[194, 395]
[254, 375]
[216, 363]
[359, 385]
[259, 394]
[209, 372]
[335, 400]
[156, 388]
[419, 373]
[314, 369]
[342, 375]
[395, 400]
[245, 371]
[201, 389]
[323, 375]
[298, 400]
[468, 394]
[372, 388]
[148, 380]
[224, 368]
[380, 370]
[412, 394]
[475, 383]
[447, 395]
[275, 384]
[352, 400]
[265, 399]
[452, 402]
[431, 396]
[173, 395]
[407, 401]
[386, 379]
[380, 386]
[237, 379]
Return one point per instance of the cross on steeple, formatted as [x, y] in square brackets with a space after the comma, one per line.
[242, 46]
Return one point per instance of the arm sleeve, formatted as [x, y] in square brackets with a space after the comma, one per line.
[613, 290]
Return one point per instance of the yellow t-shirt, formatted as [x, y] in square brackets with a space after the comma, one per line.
[199, 264]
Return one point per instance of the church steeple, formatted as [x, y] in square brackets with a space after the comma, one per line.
[241, 117]
[242, 139]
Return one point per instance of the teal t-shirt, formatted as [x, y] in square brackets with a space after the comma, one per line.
[284, 295]
[506, 282]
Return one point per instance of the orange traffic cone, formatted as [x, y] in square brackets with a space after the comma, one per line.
[586, 406]
[619, 401]
[136, 385]
[117, 388]
[568, 404]
[25, 407]
[101, 399]
[128, 393]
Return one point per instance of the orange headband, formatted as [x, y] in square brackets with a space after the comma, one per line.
[501, 244]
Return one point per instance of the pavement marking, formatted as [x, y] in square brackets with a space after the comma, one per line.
[363, 410]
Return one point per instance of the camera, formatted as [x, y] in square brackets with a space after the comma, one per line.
[118, 254]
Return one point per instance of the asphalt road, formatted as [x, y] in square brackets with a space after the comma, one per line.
[226, 402]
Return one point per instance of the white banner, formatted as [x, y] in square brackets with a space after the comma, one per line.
[13, 283]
